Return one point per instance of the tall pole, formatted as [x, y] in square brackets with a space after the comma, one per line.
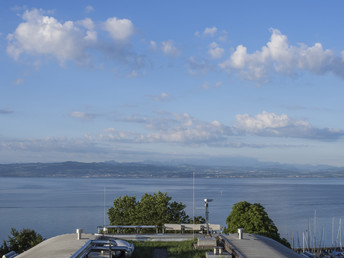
[193, 203]
[332, 230]
[207, 217]
[104, 205]
[303, 241]
[309, 237]
[206, 204]
[315, 230]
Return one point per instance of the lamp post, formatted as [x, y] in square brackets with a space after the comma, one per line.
[206, 202]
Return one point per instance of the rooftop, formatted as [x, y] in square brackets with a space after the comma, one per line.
[58, 247]
[255, 246]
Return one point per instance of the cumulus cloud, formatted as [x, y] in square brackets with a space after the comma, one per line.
[168, 48]
[42, 35]
[210, 31]
[271, 124]
[215, 51]
[119, 29]
[281, 57]
[89, 9]
[153, 45]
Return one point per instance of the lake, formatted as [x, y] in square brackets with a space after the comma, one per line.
[54, 206]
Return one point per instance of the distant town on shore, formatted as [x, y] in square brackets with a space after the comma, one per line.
[163, 170]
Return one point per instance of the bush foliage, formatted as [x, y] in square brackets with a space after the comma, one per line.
[254, 219]
[20, 241]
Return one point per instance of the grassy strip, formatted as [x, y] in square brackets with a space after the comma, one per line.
[174, 249]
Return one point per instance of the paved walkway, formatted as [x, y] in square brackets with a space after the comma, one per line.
[255, 246]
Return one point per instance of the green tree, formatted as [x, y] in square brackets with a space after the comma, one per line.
[254, 219]
[152, 209]
[124, 211]
[20, 241]
[198, 220]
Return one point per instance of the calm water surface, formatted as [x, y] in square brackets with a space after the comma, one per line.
[55, 206]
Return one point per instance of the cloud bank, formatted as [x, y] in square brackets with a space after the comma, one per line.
[174, 129]
[187, 130]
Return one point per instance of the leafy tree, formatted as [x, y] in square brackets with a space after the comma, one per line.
[254, 219]
[20, 241]
[152, 209]
[198, 220]
[124, 211]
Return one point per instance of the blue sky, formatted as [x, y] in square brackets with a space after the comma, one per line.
[164, 80]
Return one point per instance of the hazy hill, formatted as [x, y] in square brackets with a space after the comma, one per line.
[145, 169]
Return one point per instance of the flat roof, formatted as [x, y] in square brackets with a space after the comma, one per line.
[255, 246]
[62, 246]
[66, 245]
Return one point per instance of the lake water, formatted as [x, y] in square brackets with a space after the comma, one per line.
[53, 206]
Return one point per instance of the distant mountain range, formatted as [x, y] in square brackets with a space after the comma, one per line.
[166, 170]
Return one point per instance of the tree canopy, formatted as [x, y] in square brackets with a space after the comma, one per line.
[254, 219]
[20, 241]
[153, 209]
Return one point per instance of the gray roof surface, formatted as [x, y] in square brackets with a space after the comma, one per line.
[255, 246]
[251, 246]
[66, 245]
[58, 247]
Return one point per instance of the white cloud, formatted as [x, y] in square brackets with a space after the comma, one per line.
[215, 51]
[153, 45]
[168, 48]
[281, 57]
[44, 35]
[162, 97]
[87, 23]
[119, 29]
[185, 129]
[210, 31]
[40, 35]
[265, 120]
[207, 85]
[207, 32]
[89, 9]
[270, 124]
[177, 128]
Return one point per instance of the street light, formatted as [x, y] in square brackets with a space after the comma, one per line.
[206, 202]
